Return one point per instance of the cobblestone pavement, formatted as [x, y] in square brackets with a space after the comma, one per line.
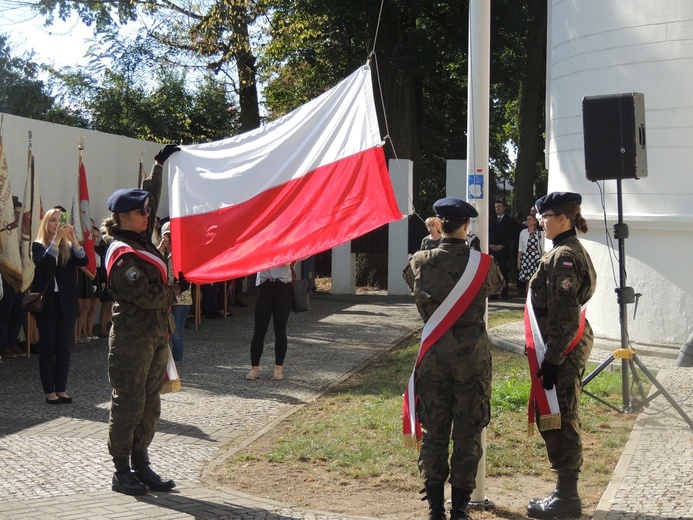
[54, 461]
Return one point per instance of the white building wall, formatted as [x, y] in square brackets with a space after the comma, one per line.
[111, 162]
[598, 47]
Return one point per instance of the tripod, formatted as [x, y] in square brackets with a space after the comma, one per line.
[629, 359]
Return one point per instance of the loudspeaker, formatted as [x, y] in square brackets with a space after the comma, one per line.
[614, 131]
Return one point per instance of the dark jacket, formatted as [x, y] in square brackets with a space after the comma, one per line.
[48, 272]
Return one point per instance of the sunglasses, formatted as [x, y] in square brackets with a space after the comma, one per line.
[145, 211]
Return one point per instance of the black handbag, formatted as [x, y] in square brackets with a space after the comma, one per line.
[300, 293]
[33, 302]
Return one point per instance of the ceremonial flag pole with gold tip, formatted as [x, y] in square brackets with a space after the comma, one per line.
[81, 215]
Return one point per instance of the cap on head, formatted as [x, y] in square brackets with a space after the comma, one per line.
[166, 229]
[127, 199]
[452, 207]
[15, 202]
[557, 199]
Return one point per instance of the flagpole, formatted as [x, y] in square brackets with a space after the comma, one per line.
[141, 169]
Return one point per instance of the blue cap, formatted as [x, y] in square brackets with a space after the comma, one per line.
[452, 207]
[127, 199]
[557, 199]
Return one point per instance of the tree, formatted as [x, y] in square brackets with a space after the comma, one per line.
[204, 36]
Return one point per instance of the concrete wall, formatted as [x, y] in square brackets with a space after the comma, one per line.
[111, 162]
[594, 48]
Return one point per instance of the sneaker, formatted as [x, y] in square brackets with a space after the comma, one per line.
[19, 351]
[7, 353]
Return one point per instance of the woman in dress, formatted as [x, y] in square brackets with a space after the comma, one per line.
[529, 252]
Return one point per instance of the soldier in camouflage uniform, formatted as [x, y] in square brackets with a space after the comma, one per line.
[564, 281]
[142, 322]
[453, 380]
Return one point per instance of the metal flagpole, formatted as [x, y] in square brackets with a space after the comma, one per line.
[478, 79]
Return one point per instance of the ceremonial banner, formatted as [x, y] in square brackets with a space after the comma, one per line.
[10, 257]
[82, 220]
[541, 401]
[300, 185]
[32, 213]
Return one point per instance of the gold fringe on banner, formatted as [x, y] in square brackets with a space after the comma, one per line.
[170, 386]
[530, 429]
[550, 422]
[410, 441]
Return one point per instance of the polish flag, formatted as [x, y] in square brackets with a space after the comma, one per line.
[82, 221]
[304, 183]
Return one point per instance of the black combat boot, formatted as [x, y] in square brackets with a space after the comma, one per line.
[146, 475]
[460, 501]
[564, 502]
[435, 494]
[124, 480]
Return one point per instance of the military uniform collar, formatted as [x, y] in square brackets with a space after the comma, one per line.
[561, 237]
[453, 241]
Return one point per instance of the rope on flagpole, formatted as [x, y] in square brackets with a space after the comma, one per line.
[377, 25]
[387, 137]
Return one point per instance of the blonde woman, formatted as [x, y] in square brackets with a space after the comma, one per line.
[57, 254]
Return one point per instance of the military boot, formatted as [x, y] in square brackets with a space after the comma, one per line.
[146, 475]
[435, 494]
[564, 502]
[460, 501]
[124, 480]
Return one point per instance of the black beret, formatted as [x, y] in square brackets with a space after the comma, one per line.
[452, 207]
[556, 199]
[127, 199]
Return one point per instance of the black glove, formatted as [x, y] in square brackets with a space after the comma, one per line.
[166, 152]
[182, 282]
[549, 374]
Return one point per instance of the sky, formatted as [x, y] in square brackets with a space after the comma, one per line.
[62, 44]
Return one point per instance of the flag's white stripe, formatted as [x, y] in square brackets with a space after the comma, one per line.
[338, 124]
[116, 245]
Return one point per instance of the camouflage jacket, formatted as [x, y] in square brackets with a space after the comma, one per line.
[142, 298]
[564, 281]
[436, 272]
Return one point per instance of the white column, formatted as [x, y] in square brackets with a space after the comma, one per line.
[343, 270]
[456, 178]
[477, 151]
[402, 178]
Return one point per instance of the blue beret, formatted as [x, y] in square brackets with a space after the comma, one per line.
[127, 199]
[556, 199]
[452, 207]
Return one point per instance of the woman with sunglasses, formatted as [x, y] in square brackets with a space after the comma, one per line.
[142, 322]
[559, 345]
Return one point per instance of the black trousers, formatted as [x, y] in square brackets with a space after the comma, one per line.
[11, 318]
[273, 302]
[55, 343]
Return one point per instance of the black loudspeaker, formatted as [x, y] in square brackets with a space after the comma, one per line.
[614, 130]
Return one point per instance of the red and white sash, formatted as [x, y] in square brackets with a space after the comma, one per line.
[117, 249]
[544, 400]
[444, 317]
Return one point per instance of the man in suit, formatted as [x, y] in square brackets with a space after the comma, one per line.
[503, 230]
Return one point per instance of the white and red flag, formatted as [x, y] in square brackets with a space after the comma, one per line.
[304, 183]
[82, 220]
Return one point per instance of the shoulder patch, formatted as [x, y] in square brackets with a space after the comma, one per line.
[133, 274]
[567, 264]
[566, 285]
[120, 262]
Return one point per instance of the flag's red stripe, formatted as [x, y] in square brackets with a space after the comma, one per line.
[325, 208]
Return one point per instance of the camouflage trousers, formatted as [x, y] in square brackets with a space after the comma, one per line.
[564, 446]
[136, 371]
[453, 386]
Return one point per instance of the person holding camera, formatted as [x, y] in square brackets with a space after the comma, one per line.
[57, 255]
[559, 344]
[142, 322]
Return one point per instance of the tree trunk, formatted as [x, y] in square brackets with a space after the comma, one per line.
[531, 117]
[247, 69]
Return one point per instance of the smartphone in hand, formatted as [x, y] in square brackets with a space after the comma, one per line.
[64, 217]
